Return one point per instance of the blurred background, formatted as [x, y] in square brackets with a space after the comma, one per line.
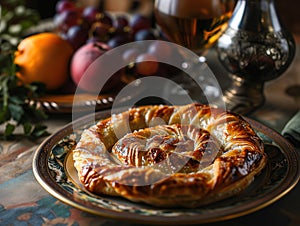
[46, 8]
[288, 9]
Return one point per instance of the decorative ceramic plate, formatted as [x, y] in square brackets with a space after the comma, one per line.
[54, 170]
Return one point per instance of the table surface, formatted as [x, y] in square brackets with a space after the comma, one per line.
[24, 202]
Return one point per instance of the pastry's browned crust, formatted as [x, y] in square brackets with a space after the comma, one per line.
[170, 156]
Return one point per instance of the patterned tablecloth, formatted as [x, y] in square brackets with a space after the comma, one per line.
[24, 202]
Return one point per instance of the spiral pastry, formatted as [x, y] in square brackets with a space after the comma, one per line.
[169, 156]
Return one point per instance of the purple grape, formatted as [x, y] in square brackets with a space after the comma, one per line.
[144, 34]
[121, 22]
[63, 5]
[106, 18]
[118, 40]
[67, 19]
[90, 14]
[77, 36]
[101, 31]
[139, 22]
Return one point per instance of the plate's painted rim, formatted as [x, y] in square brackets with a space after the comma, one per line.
[42, 175]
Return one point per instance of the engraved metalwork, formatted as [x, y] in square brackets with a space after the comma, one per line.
[255, 48]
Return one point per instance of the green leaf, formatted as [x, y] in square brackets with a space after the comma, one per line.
[39, 131]
[16, 112]
[16, 100]
[9, 129]
[37, 89]
[4, 115]
[15, 107]
[27, 127]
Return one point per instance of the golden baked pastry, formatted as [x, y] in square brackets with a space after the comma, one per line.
[169, 156]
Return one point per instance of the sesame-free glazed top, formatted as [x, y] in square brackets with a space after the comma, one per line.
[169, 156]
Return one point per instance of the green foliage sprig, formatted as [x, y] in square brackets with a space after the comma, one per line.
[16, 105]
[15, 19]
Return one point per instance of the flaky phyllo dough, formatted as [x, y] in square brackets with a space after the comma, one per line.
[169, 156]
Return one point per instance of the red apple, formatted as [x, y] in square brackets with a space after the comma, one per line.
[88, 77]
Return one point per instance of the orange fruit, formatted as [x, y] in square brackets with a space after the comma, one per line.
[44, 58]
